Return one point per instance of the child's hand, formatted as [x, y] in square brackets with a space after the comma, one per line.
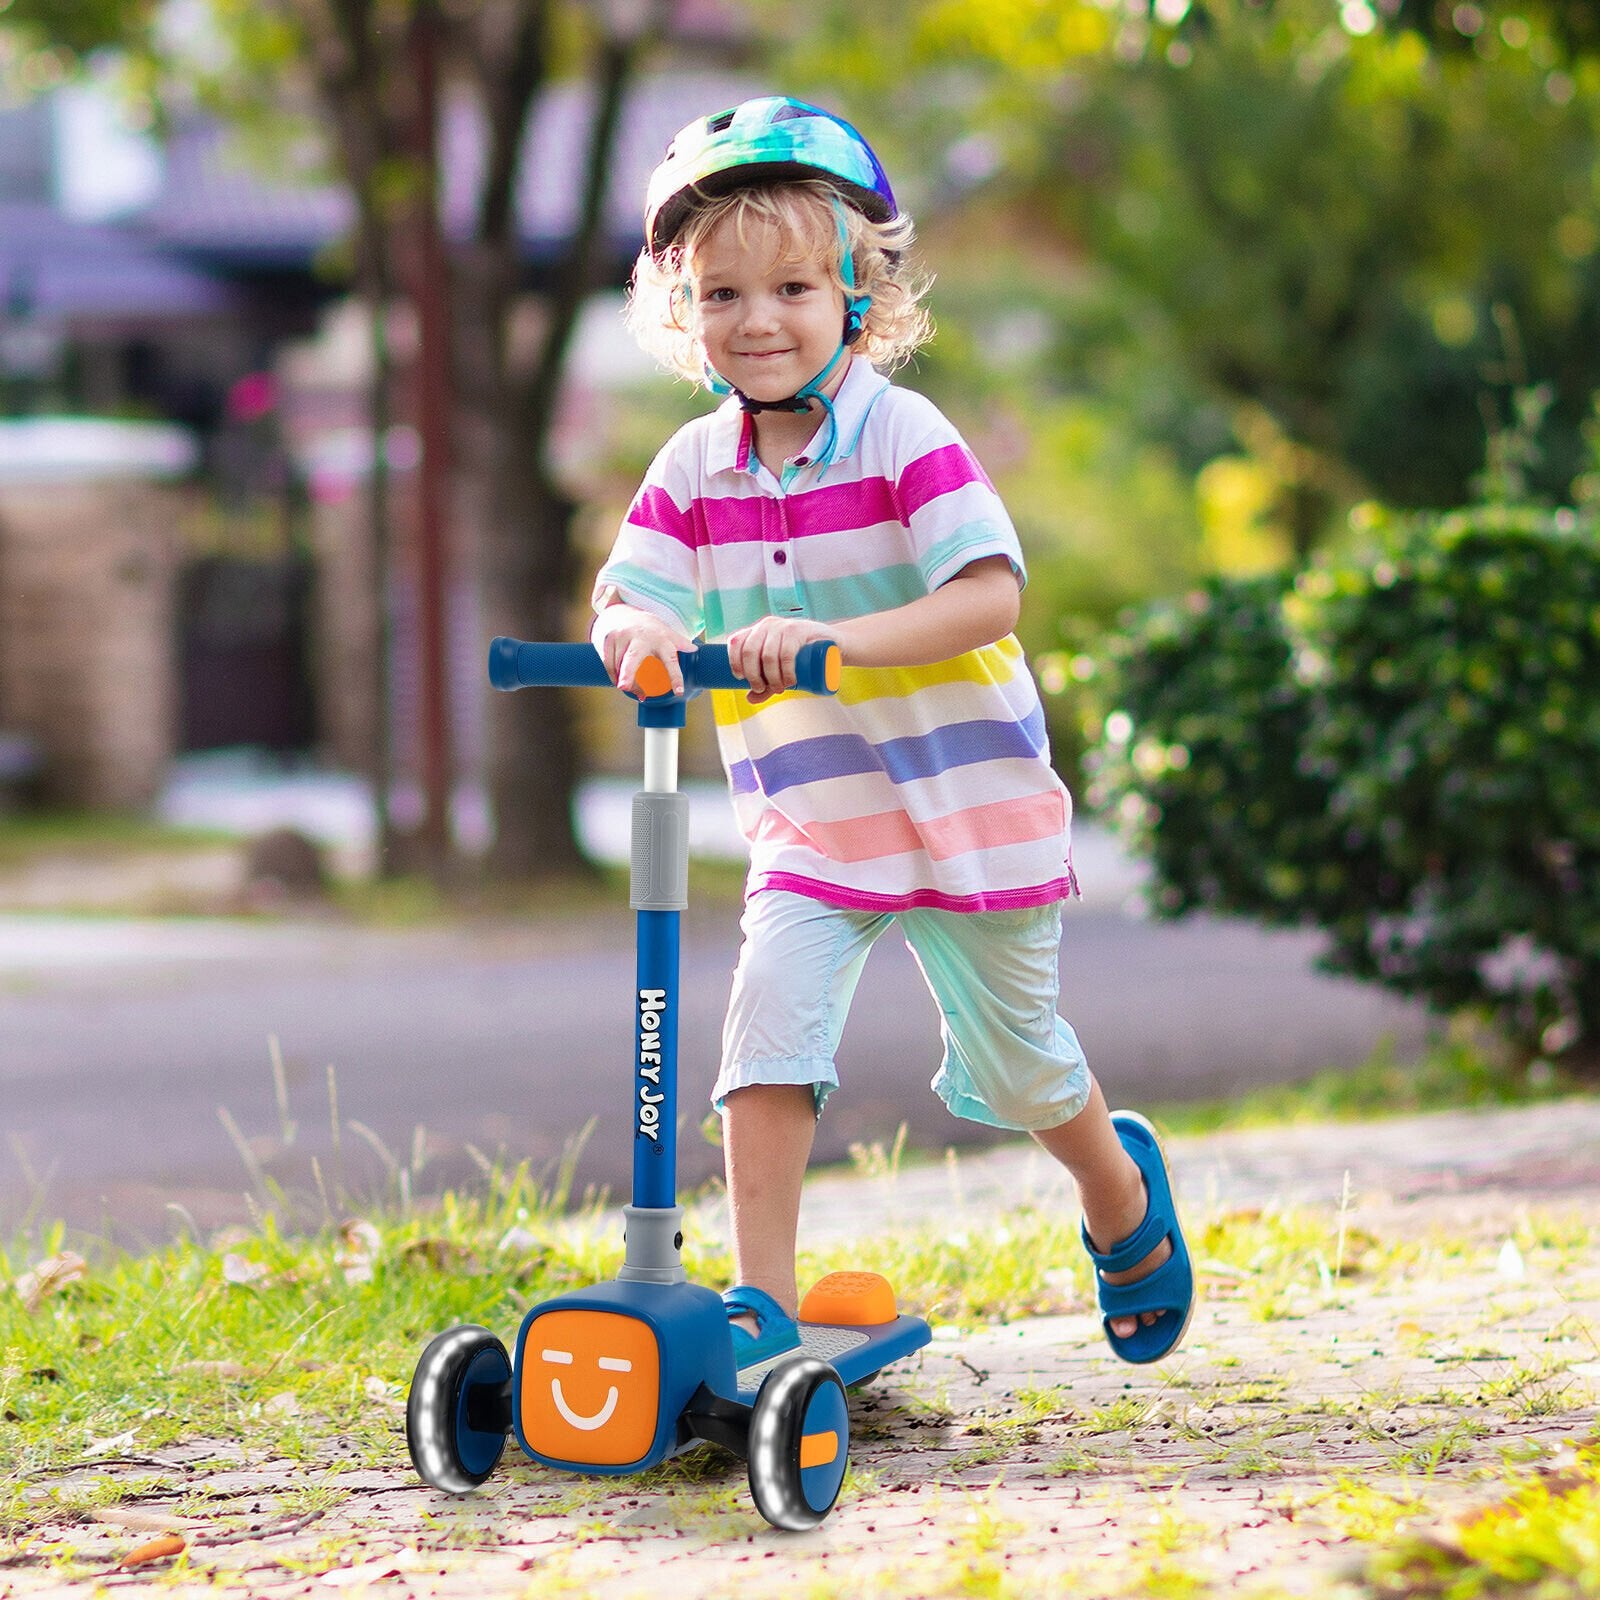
[627, 638]
[763, 654]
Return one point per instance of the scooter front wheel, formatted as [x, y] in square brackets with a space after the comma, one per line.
[459, 1409]
[799, 1443]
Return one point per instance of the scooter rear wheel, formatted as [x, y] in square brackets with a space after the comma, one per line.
[459, 1410]
[799, 1443]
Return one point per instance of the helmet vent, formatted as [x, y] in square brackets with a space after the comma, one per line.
[791, 112]
[720, 122]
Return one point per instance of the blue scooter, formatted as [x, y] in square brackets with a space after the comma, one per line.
[616, 1378]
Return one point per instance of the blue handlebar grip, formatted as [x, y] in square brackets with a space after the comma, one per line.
[515, 665]
[816, 668]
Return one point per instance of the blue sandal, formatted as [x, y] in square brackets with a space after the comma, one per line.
[1168, 1290]
[778, 1332]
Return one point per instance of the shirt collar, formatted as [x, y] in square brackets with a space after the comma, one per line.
[732, 442]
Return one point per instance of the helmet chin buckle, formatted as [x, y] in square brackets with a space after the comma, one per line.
[794, 403]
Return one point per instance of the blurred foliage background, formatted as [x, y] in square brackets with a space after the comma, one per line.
[1215, 273]
[1397, 745]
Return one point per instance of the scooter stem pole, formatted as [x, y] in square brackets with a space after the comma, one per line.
[656, 1032]
[659, 895]
[661, 760]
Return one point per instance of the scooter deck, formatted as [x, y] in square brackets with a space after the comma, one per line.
[849, 1320]
[856, 1354]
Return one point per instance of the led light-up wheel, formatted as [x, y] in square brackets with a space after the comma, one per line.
[459, 1410]
[799, 1443]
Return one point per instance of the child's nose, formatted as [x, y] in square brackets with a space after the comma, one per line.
[760, 311]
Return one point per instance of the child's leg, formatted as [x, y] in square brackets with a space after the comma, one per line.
[796, 976]
[1011, 1062]
[1110, 1189]
[767, 1131]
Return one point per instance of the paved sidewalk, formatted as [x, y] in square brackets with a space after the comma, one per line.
[1023, 1460]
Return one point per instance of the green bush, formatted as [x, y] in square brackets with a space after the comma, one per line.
[1403, 751]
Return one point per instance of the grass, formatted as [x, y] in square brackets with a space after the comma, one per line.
[28, 836]
[1459, 1069]
[31, 838]
[1540, 1538]
[716, 889]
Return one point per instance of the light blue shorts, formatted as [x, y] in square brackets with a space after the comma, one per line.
[1009, 1060]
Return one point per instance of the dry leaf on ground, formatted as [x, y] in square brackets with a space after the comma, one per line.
[389, 1566]
[361, 1246]
[162, 1549]
[241, 1270]
[49, 1277]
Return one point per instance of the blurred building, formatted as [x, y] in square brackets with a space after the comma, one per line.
[213, 303]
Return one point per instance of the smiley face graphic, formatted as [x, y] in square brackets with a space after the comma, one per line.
[590, 1387]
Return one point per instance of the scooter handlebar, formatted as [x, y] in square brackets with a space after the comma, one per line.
[514, 664]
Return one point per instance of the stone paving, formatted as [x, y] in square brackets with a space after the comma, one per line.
[1022, 1459]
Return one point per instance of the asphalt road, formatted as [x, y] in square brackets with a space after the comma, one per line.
[125, 1047]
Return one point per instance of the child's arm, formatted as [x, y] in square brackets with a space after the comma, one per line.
[978, 605]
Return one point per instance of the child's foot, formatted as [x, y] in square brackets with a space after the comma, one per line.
[1145, 1283]
[761, 1328]
[1106, 1227]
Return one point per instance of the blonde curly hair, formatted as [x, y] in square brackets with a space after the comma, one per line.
[809, 218]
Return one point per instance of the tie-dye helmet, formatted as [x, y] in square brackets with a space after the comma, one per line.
[764, 140]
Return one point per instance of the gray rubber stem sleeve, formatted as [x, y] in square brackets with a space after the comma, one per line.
[660, 873]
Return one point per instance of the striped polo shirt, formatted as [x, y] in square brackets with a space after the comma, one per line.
[914, 786]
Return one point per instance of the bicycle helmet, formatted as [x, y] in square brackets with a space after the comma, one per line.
[762, 141]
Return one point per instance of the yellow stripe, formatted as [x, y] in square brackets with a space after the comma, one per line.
[993, 663]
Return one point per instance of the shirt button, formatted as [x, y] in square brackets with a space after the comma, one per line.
[779, 557]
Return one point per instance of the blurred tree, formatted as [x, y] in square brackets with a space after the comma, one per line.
[49, 38]
[1572, 25]
[1351, 237]
[379, 69]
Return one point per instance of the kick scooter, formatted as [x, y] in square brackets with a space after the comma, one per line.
[616, 1378]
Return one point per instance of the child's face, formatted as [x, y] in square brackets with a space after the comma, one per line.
[768, 316]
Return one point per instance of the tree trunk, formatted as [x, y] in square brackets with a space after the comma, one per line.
[534, 756]
[528, 560]
[513, 521]
[519, 528]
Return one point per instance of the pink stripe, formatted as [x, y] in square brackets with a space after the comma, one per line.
[996, 824]
[834, 508]
[921, 899]
[989, 826]
[952, 466]
[837, 507]
[888, 833]
[655, 509]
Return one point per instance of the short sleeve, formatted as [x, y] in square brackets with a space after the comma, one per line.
[653, 563]
[954, 513]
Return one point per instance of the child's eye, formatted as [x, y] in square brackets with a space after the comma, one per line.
[793, 289]
[718, 296]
